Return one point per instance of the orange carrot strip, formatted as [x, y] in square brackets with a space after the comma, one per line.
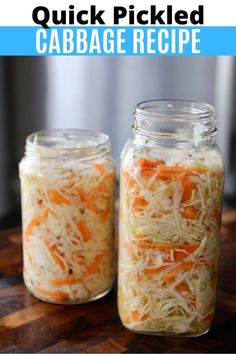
[99, 189]
[136, 316]
[182, 288]
[28, 254]
[191, 247]
[84, 230]
[168, 278]
[182, 170]
[96, 263]
[67, 281]
[148, 172]
[164, 175]
[148, 167]
[155, 270]
[100, 167]
[35, 222]
[139, 203]
[180, 254]
[144, 163]
[55, 295]
[87, 200]
[57, 198]
[110, 175]
[188, 189]
[190, 213]
[55, 253]
[90, 269]
[104, 214]
[167, 172]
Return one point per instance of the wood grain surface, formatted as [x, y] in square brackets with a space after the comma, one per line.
[29, 325]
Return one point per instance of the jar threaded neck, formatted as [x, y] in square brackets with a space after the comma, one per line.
[68, 143]
[177, 120]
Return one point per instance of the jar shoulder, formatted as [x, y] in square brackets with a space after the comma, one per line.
[41, 166]
[208, 155]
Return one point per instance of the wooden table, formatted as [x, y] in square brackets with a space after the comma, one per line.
[30, 325]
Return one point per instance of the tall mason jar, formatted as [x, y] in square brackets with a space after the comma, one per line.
[67, 185]
[170, 215]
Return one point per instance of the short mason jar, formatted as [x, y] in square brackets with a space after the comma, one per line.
[67, 187]
[171, 190]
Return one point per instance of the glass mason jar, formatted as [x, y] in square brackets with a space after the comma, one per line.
[67, 186]
[170, 215]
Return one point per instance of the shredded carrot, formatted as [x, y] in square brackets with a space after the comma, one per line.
[180, 254]
[100, 167]
[168, 278]
[188, 189]
[28, 254]
[139, 203]
[87, 200]
[73, 280]
[146, 164]
[148, 172]
[147, 167]
[55, 253]
[84, 230]
[167, 172]
[151, 167]
[137, 317]
[101, 188]
[35, 222]
[96, 263]
[67, 281]
[55, 295]
[57, 198]
[110, 175]
[182, 288]
[190, 212]
[104, 214]
[155, 270]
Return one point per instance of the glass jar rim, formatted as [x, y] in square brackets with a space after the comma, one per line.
[56, 143]
[176, 109]
[174, 121]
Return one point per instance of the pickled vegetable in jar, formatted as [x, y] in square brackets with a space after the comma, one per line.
[171, 189]
[67, 185]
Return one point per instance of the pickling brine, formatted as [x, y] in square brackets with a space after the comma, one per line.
[170, 214]
[67, 185]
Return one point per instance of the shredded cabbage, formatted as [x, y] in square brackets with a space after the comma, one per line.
[68, 218]
[170, 214]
